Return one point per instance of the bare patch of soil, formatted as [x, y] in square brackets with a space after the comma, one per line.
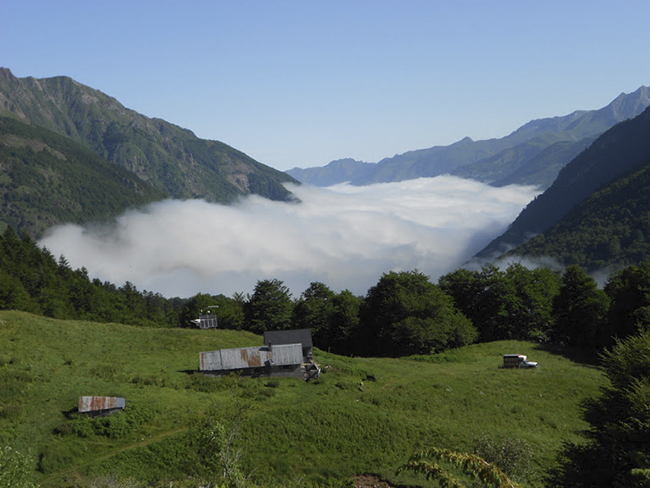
[371, 481]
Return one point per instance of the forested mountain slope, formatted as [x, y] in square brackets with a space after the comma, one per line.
[166, 156]
[48, 179]
[533, 154]
[611, 228]
[619, 151]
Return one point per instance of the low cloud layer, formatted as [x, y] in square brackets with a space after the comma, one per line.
[343, 236]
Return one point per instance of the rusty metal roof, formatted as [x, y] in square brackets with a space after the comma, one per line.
[96, 403]
[251, 357]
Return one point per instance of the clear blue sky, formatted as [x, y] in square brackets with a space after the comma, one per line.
[303, 82]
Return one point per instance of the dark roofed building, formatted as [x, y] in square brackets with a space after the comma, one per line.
[295, 336]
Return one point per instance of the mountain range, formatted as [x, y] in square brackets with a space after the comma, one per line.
[597, 212]
[531, 155]
[168, 157]
[70, 153]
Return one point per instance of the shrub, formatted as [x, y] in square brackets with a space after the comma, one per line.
[14, 469]
[512, 455]
[55, 458]
[118, 424]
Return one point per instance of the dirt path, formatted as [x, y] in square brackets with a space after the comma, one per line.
[61, 474]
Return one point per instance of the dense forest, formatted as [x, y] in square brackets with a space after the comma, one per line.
[48, 179]
[607, 229]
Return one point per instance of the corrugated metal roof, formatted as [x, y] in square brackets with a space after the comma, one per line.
[95, 403]
[251, 357]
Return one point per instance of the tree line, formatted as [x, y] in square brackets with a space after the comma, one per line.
[403, 314]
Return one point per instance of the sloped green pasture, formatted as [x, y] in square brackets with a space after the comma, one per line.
[293, 433]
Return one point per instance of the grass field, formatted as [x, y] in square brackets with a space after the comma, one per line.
[294, 433]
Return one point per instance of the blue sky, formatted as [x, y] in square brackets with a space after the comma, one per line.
[301, 83]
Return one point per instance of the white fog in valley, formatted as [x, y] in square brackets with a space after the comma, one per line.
[343, 236]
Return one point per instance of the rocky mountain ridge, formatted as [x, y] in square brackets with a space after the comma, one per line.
[169, 157]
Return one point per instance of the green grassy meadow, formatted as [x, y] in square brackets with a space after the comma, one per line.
[293, 433]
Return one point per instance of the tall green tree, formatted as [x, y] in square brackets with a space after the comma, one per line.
[314, 310]
[230, 312]
[533, 291]
[511, 304]
[580, 310]
[13, 295]
[629, 291]
[344, 324]
[617, 449]
[478, 296]
[407, 314]
[269, 308]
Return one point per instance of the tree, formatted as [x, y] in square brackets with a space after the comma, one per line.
[230, 312]
[478, 296]
[511, 304]
[617, 451]
[534, 291]
[314, 311]
[579, 310]
[270, 307]
[13, 295]
[407, 314]
[344, 324]
[629, 291]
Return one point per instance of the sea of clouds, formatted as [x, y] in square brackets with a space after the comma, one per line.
[344, 236]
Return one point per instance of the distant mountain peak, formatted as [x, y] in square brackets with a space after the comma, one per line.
[6, 72]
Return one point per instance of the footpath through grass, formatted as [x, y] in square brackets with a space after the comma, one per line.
[294, 432]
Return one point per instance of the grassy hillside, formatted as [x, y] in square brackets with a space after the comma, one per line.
[294, 433]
